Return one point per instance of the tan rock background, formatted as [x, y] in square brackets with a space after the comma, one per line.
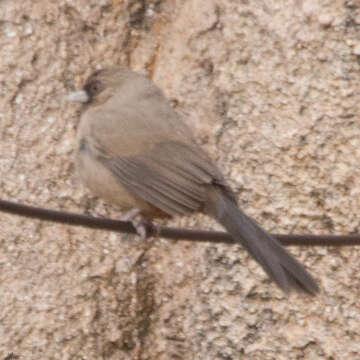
[271, 90]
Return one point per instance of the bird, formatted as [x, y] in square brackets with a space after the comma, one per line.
[135, 151]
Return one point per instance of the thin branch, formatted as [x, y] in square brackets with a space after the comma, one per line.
[163, 231]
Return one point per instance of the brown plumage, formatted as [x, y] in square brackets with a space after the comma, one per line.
[135, 151]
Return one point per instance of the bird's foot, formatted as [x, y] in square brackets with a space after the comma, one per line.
[140, 224]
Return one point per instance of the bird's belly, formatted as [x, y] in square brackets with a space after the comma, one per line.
[104, 184]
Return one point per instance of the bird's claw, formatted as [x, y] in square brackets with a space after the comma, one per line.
[140, 224]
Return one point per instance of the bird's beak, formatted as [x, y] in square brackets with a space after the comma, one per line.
[80, 96]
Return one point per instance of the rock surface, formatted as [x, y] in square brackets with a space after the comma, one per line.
[271, 90]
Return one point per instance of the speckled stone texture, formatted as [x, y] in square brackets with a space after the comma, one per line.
[271, 89]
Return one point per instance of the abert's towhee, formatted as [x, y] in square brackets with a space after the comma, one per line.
[135, 151]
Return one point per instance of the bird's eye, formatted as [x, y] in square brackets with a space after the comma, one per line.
[93, 88]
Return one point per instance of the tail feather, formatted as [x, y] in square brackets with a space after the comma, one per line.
[281, 267]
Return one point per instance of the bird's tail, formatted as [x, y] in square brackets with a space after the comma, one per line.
[281, 267]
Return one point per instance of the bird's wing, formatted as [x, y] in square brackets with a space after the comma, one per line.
[172, 176]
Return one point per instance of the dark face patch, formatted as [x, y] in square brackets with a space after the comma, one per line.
[93, 87]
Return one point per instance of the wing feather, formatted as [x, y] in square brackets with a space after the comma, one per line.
[170, 177]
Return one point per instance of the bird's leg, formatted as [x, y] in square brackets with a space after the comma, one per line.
[130, 215]
[138, 221]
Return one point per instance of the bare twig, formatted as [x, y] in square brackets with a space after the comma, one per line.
[163, 231]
